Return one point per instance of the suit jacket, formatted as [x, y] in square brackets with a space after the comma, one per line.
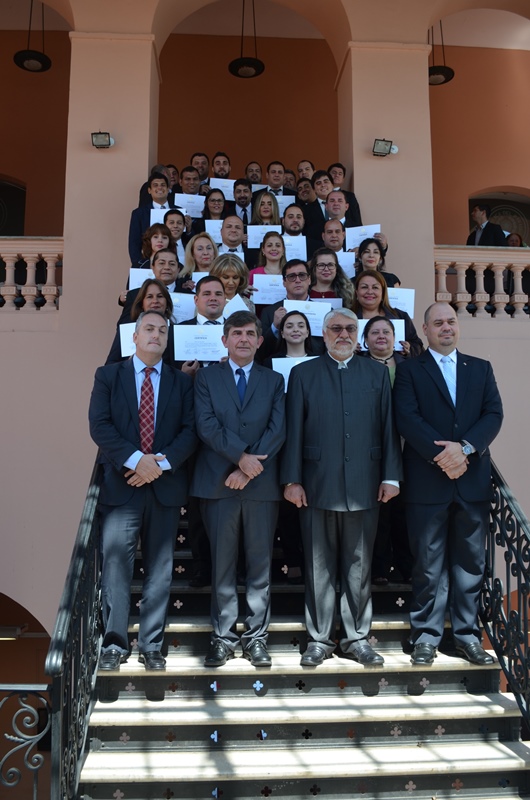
[492, 236]
[115, 428]
[140, 221]
[315, 218]
[341, 440]
[425, 413]
[228, 429]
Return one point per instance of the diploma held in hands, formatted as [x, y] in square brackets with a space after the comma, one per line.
[285, 365]
[269, 289]
[354, 236]
[315, 312]
[201, 342]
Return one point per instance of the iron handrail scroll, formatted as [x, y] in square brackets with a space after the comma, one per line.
[72, 657]
[506, 589]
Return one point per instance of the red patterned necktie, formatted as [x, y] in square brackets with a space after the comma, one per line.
[146, 413]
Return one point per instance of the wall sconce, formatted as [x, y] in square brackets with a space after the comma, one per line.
[384, 147]
[9, 633]
[102, 140]
[33, 60]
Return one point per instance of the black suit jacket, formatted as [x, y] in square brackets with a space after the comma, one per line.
[115, 428]
[140, 221]
[492, 236]
[315, 218]
[425, 413]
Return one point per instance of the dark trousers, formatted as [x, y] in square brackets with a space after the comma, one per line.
[121, 527]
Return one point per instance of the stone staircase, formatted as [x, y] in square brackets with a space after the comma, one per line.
[336, 731]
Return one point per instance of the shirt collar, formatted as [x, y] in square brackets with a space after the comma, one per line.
[438, 356]
[139, 365]
[246, 369]
[203, 320]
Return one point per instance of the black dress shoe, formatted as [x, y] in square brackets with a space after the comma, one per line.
[257, 654]
[112, 659]
[313, 656]
[423, 653]
[474, 653]
[152, 660]
[365, 655]
[218, 654]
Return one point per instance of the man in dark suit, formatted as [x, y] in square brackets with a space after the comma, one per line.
[275, 179]
[241, 205]
[448, 410]
[165, 267]
[486, 234]
[239, 410]
[340, 460]
[141, 418]
[158, 189]
[315, 212]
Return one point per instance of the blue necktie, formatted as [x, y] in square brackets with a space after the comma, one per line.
[449, 376]
[241, 384]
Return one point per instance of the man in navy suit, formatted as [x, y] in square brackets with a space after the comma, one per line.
[158, 188]
[141, 418]
[239, 410]
[448, 410]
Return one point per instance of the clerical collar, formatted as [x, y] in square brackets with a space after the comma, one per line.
[345, 362]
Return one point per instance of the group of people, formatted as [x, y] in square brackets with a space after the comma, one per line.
[323, 459]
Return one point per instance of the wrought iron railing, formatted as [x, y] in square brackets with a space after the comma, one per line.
[73, 655]
[29, 732]
[506, 591]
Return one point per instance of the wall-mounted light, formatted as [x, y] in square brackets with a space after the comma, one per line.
[384, 147]
[33, 60]
[102, 140]
[9, 633]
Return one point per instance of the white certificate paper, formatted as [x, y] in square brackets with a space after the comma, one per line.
[315, 312]
[196, 276]
[256, 233]
[128, 348]
[295, 247]
[183, 306]
[283, 201]
[194, 204]
[335, 302]
[225, 185]
[137, 276]
[201, 342]
[354, 236]
[347, 262]
[285, 365]
[213, 227]
[269, 289]
[235, 304]
[402, 299]
[399, 325]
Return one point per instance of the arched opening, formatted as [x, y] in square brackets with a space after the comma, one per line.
[509, 209]
[12, 207]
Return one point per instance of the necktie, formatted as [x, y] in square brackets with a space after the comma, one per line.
[449, 376]
[245, 217]
[162, 207]
[212, 322]
[478, 234]
[232, 249]
[276, 192]
[146, 413]
[241, 384]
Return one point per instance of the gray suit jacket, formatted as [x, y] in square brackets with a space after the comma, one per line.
[341, 440]
[228, 429]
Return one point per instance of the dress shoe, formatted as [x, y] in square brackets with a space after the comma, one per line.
[474, 653]
[112, 659]
[313, 656]
[257, 654]
[218, 654]
[152, 660]
[365, 655]
[200, 580]
[423, 653]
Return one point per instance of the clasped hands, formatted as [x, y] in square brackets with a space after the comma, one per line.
[147, 470]
[249, 467]
[451, 460]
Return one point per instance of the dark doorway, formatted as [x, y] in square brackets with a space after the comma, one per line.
[12, 209]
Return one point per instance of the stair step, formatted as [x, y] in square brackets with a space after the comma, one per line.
[202, 624]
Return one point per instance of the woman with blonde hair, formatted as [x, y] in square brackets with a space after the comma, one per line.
[234, 274]
[265, 210]
[201, 252]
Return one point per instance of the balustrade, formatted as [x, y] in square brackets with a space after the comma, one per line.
[30, 280]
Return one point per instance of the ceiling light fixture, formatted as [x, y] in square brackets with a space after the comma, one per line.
[33, 60]
[439, 74]
[246, 66]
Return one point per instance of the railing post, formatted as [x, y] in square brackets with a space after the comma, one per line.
[480, 298]
[9, 290]
[50, 290]
[29, 290]
[462, 298]
[499, 298]
[442, 294]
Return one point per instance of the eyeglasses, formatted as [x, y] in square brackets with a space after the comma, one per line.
[336, 329]
[297, 276]
[215, 200]
[321, 267]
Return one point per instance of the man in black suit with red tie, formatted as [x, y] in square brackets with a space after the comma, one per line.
[448, 410]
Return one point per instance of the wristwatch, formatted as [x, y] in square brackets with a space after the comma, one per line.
[467, 448]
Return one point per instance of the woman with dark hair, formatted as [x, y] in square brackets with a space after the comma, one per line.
[294, 338]
[271, 259]
[156, 237]
[371, 255]
[152, 296]
[371, 300]
[328, 279]
[214, 208]
[514, 240]
[379, 336]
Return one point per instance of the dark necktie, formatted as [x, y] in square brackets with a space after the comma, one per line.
[146, 413]
[276, 192]
[241, 384]
[212, 322]
[232, 249]
[245, 217]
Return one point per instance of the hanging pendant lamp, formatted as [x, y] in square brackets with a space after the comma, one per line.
[246, 66]
[33, 60]
[439, 74]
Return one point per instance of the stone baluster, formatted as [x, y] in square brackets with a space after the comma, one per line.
[461, 298]
[9, 290]
[49, 289]
[500, 298]
[442, 294]
[29, 290]
[480, 298]
[518, 299]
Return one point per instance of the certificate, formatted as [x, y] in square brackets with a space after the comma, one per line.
[225, 185]
[269, 289]
[335, 302]
[201, 342]
[194, 204]
[158, 214]
[213, 227]
[285, 365]
[402, 299]
[128, 348]
[283, 201]
[347, 262]
[259, 187]
[399, 325]
[354, 236]
[315, 312]
[196, 276]
[235, 304]
[183, 306]
[295, 247]
[137, 276]
[256, 233]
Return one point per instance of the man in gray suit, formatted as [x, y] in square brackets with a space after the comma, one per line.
[240, 419]
[341, 459]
